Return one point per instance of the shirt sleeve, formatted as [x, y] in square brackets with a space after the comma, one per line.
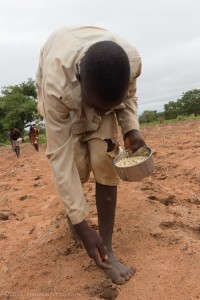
[60, 151]
[127, 115]
[39, 85]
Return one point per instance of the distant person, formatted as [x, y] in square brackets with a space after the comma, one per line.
[33, 137]
[15, 136]
[86, 85]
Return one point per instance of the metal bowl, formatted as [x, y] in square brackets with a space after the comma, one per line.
[139, 170]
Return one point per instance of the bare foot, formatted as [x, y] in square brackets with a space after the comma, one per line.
[119, 273]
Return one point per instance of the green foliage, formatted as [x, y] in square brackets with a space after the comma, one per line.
[172, 109]
[191, 102]
[148, 116]
[187, 105]
[18, 106]
[161, 120]
[181, 118]
[42, 138]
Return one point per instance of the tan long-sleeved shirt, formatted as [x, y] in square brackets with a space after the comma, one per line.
[60, 102]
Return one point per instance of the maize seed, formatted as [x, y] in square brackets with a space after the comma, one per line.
[130, 161]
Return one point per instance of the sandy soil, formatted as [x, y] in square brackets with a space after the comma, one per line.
[157, 226]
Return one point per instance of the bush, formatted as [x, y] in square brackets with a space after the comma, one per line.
[181, 118]
[42, 138]
[161, 120]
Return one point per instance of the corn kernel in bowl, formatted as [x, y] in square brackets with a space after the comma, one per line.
[130, 161]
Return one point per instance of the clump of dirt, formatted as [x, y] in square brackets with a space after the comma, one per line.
[105, 290]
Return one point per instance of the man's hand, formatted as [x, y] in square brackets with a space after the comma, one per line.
[93, 244]
[133, 141]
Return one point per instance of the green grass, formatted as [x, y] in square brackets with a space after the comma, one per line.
[179, 118]
[41, 140]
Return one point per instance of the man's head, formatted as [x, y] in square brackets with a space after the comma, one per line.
[104, 75]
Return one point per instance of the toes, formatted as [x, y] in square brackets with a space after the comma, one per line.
[120, 273]
[119, 280]
[132, 270]
[127, 276]
[116, 277]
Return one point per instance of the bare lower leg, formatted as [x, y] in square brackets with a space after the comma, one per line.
[106, 197]
[17, 150]
[36, 147]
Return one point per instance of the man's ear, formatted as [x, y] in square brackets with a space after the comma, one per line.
[78, 76]
[77, 73]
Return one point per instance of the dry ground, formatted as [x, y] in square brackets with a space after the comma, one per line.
[157, 226]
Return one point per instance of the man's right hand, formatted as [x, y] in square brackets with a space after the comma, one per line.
[93, 244]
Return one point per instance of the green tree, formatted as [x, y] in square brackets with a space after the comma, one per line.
[18, 106]
[25, 88]
[190, 102]
[172, 109]
[148, 116]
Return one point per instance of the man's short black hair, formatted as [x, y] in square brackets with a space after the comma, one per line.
[105, 68]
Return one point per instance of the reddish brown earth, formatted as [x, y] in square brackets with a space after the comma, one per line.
[157, 226]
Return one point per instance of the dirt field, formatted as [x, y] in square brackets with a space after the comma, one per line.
[157, 226]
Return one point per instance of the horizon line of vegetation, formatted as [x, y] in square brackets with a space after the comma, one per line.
[18, 108]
